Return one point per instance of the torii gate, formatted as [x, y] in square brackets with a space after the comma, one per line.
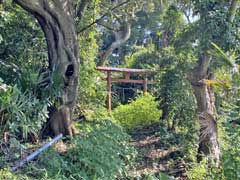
[127, 73]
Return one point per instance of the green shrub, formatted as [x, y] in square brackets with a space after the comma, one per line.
[230, 160]
[7, 175]
[22, 113]
[230, 141]
[198, 171]
[140, 112]
[97, 114]
[102, 152]
[160, 176]
[177, 100]
[49, 165]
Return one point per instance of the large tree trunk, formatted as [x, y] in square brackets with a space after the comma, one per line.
[208, 141]
[56, 20]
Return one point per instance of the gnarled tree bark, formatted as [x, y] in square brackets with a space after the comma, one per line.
[208, 141]
[56, 20]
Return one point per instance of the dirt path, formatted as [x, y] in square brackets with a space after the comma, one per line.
[154, 157]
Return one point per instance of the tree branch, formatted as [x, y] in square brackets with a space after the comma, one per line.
[106, 26]
[31, 6]
[103, 16]
[121, 37]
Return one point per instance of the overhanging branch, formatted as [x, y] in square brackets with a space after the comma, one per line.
[103, 16]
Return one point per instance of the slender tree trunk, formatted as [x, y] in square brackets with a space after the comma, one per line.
[56, 20]
[165, 39]
[232, 10]
[208, 141]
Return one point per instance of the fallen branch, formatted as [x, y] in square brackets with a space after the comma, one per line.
[35, 153]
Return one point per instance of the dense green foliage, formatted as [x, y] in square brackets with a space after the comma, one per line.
[138, 113]
[21, 113]
[101, 152]
[24, 51]
[170, 38]
[91, 91]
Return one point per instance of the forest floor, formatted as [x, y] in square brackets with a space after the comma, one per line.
[154, 157]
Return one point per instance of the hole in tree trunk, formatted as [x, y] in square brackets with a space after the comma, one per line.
[70, 70]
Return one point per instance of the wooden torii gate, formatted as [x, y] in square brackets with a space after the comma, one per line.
[127, 73]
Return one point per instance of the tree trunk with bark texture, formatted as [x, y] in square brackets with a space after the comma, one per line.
[232, 10]
[56, 20]
[208, 141]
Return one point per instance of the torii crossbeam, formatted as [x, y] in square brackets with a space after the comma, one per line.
[127, 74]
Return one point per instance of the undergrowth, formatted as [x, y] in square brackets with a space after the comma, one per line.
[102, 152]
